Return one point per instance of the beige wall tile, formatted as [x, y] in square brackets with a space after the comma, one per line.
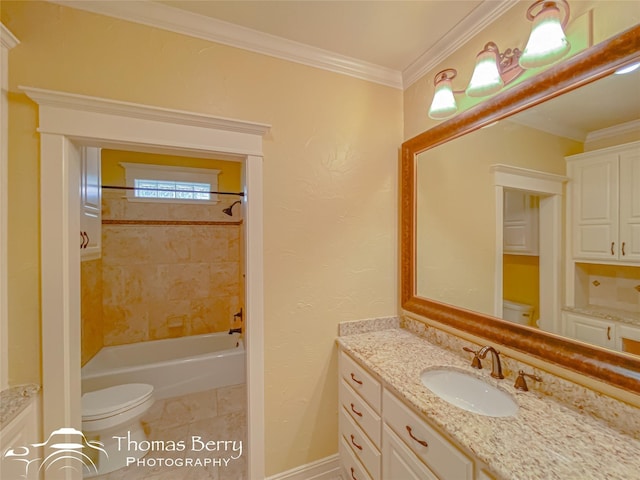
[125, 324]
[168, 319]
[91, 309]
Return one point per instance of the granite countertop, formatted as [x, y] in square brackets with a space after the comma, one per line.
[14, 399]
[632, 318]
[545, 439]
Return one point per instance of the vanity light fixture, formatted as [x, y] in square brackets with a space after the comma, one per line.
[494, 69]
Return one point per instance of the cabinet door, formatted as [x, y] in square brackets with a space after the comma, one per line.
[591, 330]
[352, 466]
[630, 206]
[520, 223]
[398, 462]
[90, 203]
[595, 208]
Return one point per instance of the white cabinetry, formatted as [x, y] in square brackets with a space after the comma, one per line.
[443, 458]
[605, 197]
[90, 204]
[589, 329]
[19, 433]
[520, 223]
[607, 333]
[382, 438]
[359, 421]
[400, 462]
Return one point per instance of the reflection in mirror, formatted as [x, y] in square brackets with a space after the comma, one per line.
[462, 180]
[458, 256]
[520, 257]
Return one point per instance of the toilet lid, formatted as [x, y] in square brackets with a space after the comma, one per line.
[112, 400]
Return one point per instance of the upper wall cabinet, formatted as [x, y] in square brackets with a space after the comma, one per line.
[520, 219]
[90, 204]
[604, 194]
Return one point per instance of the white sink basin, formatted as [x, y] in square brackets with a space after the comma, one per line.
[467, 391]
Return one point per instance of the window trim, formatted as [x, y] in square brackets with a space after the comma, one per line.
[148, 171]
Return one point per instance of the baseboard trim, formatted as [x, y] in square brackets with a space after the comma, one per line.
[327, 468]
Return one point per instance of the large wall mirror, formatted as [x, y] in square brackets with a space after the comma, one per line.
[485, 215]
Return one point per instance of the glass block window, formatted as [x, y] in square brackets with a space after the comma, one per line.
[161, 183]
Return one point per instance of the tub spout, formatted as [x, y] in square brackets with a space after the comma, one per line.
[235, 330]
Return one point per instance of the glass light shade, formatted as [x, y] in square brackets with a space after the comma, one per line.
[486, 79]
[444, 103]
[547, 42]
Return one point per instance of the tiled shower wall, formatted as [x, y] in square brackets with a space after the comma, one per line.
[167, 270]
[91, 311]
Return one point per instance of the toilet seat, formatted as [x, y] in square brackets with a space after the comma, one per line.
[111, 401]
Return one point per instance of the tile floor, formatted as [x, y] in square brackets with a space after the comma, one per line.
[213, 415]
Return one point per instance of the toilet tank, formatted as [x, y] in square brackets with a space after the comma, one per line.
[517, 312]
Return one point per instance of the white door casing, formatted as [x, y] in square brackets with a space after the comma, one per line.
[67, 121]
[550, 189]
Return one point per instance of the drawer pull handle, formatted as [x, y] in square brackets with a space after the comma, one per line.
[608, 333]
[353, 441]
[623, 254]
[421, 442]
[355, 379]
[353, 409]
[353, 474]
[612, 244]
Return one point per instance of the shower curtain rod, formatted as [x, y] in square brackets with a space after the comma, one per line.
[116, 187]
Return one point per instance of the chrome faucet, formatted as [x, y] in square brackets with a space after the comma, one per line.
[496, 366]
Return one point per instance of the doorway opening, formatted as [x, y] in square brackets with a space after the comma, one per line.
[69, 121]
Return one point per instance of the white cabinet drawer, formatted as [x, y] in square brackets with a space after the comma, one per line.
[399, 463]
[446, 461]
[360, 412]
[361, 446]
[353, 467]
[362, 382]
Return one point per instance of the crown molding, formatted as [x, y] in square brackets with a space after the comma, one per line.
[165, 17]
[487, 12]
[85, 103]
[7, 38]
[615, 131]
[187, 23]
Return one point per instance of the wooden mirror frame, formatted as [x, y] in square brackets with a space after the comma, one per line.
[617, 369]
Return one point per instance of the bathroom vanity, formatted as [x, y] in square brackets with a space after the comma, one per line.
[393, 427]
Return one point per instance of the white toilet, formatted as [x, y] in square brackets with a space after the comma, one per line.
[517, 312]
[115, 412]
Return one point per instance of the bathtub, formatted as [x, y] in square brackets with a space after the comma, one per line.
[174, 366]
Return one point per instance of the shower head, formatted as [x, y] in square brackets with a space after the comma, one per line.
[228, 210]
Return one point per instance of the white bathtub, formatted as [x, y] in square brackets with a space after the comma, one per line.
[174, 366]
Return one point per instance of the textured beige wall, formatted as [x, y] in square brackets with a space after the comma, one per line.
[330, 192]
